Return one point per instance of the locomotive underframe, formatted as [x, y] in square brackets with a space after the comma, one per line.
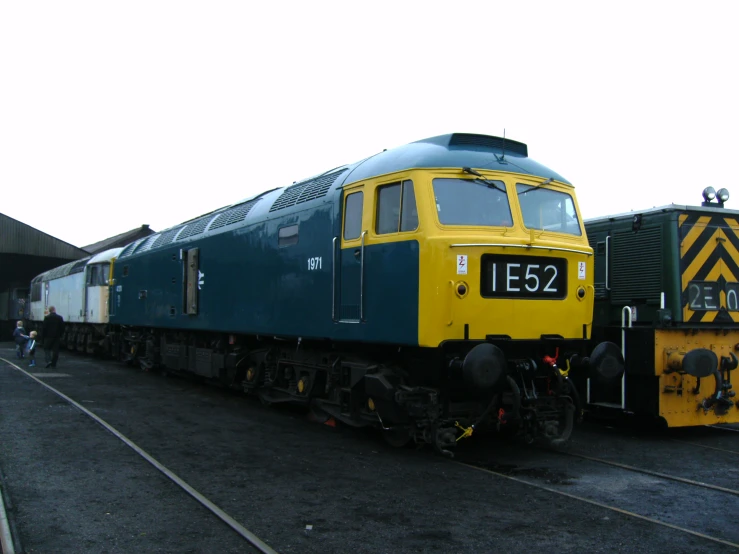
[412, 394]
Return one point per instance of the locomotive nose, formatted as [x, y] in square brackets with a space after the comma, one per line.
[484, 367]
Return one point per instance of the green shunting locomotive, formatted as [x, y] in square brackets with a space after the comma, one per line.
[667, 294]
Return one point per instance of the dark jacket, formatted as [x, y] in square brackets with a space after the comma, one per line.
[53, 326]
[18, 336]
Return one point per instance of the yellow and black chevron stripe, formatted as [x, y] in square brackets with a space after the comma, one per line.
[709, 251]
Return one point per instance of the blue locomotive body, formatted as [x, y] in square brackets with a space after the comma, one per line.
[429, 290]
[270, 274]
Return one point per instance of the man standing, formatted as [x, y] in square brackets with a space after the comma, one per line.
[53, 324]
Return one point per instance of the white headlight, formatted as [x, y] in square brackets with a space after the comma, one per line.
[709, 193]
[723, 195]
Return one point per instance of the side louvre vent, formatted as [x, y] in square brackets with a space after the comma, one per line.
[600, 291]
[234, 215]
[165, 238]
[146, 245]
[78, 266]
[194, 228]
[637, 265]
[128, 250]
[307, 190]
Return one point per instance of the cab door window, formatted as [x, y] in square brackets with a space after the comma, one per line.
[353, 215]
[396, 208]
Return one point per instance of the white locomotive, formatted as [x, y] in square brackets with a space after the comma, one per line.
[80, 293]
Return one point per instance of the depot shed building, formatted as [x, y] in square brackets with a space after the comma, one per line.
[24, 253]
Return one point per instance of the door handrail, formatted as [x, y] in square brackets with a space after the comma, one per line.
[608, 255]
[333, 280]
[361, 279]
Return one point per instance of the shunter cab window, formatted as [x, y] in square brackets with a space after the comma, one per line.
[472, 202]
[396, 208]
[548, 210]
[353, 215]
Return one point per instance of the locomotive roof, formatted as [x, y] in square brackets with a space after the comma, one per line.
[62, 271]
[454, 150]
[714, 209]
[105, 255]
[76, 266]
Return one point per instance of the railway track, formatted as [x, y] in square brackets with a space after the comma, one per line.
[605, 506]
[653, 436]
[666, 496]
[654, 473]
[706, 446]
[247, 535]
[566, 487]
[729, 429]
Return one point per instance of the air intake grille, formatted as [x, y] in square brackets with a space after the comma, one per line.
[234, 215]
[165, 238]
[637, 265]
[308, 190]
[146, 245]
[128, 250]
[493, 143]
[195, 228]
[79, 266]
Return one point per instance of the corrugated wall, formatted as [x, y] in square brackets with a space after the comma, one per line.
[19, 238]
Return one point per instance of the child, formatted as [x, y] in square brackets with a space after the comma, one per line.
[20, 338]
[31, 349]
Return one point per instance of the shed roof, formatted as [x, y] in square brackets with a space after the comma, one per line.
[118, 240]
[19, 238]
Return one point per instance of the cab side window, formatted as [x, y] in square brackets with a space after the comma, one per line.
[353, 215]
[396, 208]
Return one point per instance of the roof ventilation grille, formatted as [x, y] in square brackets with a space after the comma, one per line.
[307, 190]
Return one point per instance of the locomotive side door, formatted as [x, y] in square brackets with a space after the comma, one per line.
[349, 252]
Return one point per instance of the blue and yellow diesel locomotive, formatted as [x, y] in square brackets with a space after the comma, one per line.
[431, 290]
[667, 293]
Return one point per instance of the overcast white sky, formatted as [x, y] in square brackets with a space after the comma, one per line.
[117, 114]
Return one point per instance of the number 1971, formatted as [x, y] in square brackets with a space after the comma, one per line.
[315, 263]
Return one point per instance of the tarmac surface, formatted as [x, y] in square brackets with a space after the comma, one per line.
[71, 486]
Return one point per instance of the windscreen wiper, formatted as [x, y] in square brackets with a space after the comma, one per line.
[482, 180]
[532, 187]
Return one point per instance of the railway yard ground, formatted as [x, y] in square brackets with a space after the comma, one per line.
[69, 484]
